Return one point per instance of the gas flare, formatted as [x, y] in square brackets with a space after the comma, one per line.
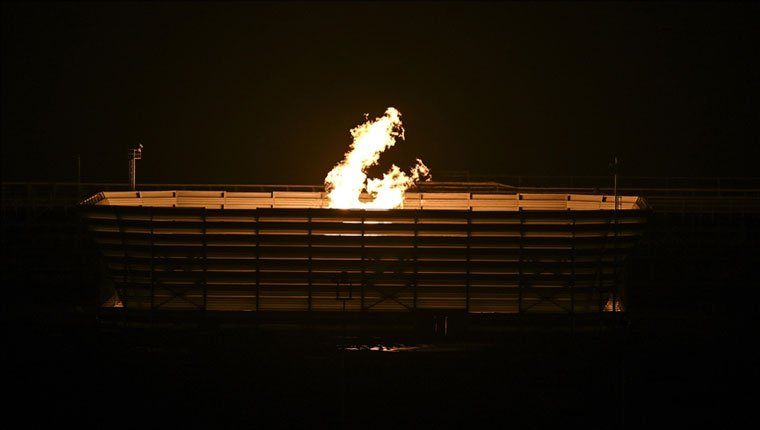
[346, 181]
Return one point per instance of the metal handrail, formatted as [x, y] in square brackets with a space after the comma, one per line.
[663, 198]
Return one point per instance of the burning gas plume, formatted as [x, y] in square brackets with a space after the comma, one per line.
[346, 181]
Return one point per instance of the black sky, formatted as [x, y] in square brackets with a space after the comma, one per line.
[266, 93]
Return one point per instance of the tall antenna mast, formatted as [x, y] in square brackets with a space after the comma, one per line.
[614, 166]
[134, 155]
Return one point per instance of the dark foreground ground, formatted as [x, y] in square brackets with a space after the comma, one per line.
[72, 368]
[684, 358]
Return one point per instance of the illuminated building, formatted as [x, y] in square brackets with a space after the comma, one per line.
[443, 252]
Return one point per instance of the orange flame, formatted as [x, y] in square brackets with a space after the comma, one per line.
[346, 181]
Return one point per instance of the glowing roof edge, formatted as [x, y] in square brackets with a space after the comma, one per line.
[426, 200]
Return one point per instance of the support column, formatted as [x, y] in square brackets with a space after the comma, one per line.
[258, 266]
[520, 284]
[572, 272]
[416, 259]
[205, 262]
[152, 263]
[467, 263]
[363, 265]
[309, 265]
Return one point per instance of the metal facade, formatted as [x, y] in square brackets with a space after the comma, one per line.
[282, 251]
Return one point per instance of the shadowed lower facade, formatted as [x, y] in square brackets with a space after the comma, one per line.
[283, 251]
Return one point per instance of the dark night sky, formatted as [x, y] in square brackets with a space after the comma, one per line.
[266, 93]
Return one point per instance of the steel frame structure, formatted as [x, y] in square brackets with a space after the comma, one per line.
[495, 253]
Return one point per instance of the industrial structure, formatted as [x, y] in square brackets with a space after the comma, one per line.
[498, 252]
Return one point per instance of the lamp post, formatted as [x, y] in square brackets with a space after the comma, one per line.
[614, 166]
[134, 155]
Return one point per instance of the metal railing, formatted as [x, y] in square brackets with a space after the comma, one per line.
[664, 194]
